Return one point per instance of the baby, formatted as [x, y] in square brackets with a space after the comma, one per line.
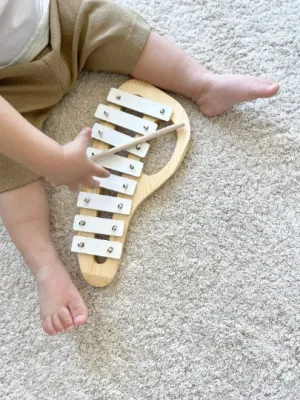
[44, 44]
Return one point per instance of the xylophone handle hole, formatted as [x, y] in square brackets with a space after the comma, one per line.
[160, 151]
[100, 260]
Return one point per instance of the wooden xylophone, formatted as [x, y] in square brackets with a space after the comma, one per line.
[104, 219]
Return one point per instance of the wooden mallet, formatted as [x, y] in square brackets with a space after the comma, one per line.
[135, 142]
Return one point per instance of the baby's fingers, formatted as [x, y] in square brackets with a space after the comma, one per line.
[99, 171]
[73, 187]
[91, 183]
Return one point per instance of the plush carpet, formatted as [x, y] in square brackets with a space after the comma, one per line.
[206, 302]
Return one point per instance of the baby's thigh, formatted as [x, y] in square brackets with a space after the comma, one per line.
[114, 39]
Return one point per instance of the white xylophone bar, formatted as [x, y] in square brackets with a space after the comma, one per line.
[140, 140]
[118, 163]
[99, 202]
[140, 104]
[125, 120]
[103, 226]
[97, 247]
[117, 184]
[115, 138]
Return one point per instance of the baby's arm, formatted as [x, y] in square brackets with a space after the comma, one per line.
[25, 144]
[64, 165]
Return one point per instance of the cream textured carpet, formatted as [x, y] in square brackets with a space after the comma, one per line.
[206, 303]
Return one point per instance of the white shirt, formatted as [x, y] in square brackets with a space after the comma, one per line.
[24, 30]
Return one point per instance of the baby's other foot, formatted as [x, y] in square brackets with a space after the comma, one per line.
[61, 305]
[223, 91]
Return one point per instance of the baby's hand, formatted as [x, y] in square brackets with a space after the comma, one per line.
[75, 168]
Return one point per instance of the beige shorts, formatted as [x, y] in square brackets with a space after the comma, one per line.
[97, 35]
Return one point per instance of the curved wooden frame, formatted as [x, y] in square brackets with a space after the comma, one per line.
[102, 274]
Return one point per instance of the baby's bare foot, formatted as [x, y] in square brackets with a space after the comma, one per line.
[62, 307]
[223, 91]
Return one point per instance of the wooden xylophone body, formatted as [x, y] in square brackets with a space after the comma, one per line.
[99, 258]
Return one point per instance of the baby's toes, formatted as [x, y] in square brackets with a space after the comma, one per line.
[57, 323]
[48, 326]
[66, 319]
[79, 311]
[264, 79]
[265, 87]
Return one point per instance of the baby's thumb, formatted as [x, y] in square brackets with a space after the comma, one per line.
[84, 136]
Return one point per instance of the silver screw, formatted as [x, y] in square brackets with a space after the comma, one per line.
[105, 113]
[100, 132]
[118, 97]
[120, 206]
[87, 200]
[162, 111]
[82, 223]
[138, 147]
[110, 250]
[125, 185]
[114, 228]
[81, 244]
[93, 153]
[146, 127]
[131, 166]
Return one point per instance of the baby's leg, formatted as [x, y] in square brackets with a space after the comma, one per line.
[25, 213]
[165, 65]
